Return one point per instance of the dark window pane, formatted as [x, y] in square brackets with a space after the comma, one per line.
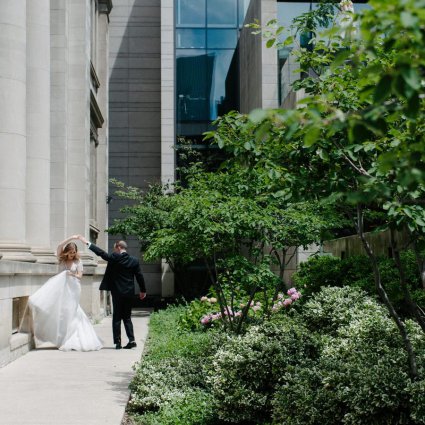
[194, 71]
[190, 38]
[223, 84]
[221, 39]
[222, 13]
[191, 13]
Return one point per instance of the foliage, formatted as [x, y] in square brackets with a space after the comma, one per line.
[356, 271]
[361, 375]
[244, 372]
[358, 135]
[168, 382]
[337, 359]
[233, 226]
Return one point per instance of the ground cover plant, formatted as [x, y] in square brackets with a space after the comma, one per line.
[336, 359]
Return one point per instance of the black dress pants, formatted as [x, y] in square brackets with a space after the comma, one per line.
[121, 311]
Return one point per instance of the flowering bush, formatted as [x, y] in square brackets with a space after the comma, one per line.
[361, 375]
[246, 369]
[255, 306]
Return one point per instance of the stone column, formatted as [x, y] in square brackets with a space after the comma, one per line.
[168, 131]
[13, 131]
[102, 68]
[77, 186]
[59, 66]
[38, 130]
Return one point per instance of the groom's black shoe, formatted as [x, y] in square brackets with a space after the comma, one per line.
[131, 344]
[118, 347]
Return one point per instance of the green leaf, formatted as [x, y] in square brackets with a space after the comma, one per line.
[270, 42]
[383, 89]
[257, 115]
[340, 58]
[411, 77]
[408, 20]
[311, 136]
[413, 106]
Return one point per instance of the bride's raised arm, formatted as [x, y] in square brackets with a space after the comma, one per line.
[62, 244]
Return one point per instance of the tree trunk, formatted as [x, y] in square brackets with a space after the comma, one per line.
[413, 308]
[413, 369]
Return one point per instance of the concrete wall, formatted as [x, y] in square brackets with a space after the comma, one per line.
[352, 245]
[135, 107]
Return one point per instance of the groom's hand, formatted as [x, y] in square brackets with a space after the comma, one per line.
[142, 295]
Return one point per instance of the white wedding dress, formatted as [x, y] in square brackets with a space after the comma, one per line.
[58, 318]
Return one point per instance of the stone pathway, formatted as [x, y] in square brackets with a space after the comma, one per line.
[51, 387]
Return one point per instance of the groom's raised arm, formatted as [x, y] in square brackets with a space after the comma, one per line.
[98, 251]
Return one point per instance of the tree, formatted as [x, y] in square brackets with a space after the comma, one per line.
[229, 221]
[358, 136]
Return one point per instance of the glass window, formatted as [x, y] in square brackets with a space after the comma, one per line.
[194, 70]
[221, 39]
[191, 13]
[222, 85]
[243, 7]
[222, 13]
[190, 38]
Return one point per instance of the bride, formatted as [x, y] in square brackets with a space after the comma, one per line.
[58, 318]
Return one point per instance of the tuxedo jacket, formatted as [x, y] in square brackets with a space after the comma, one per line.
[120, 273]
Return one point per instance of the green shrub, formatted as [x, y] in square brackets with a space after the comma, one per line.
[170, 372]
[245, 371]
[190, 319]
[356, 271]
[331, 308]
[191, 407]
[361, 375]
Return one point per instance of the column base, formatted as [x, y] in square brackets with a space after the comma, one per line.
[17, 252]
[87, 259]
[44, 256]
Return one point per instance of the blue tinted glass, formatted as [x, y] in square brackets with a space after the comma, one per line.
[243, 7]
[222, 13]
[194, 72]
[190, 38]
[191, 13]
[221, 39]
[222, 83]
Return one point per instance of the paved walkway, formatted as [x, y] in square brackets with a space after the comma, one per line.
[51, 387]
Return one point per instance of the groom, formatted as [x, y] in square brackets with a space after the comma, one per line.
[119, 279]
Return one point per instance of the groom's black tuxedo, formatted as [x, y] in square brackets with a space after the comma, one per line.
[120, 273]
[119, 279]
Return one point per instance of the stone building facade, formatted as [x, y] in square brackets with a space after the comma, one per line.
[53, 150]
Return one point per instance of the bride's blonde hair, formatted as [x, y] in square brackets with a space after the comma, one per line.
[65, 252]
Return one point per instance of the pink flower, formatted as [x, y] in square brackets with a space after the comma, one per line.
[256, 307]
[291, 291]
[287, 302]
[206, 319]
[295, 296]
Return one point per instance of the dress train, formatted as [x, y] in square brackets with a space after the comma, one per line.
[58, 318]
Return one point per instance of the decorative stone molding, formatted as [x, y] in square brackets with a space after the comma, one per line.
[17, 252]
[44, 256]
